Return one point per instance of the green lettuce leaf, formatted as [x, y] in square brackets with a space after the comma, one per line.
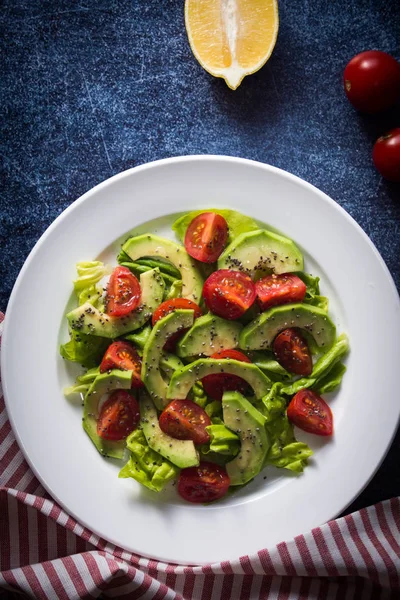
[331, 380]
[87, 350]
[89, 274]
[237, 222]
[145, 465]
[285, 451]
[222, 441]
[328, 360]
[267, 364]
[313, 296]
[214, 410]
[198, 395]
[311, 282]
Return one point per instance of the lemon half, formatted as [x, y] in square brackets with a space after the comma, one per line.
[232, 38]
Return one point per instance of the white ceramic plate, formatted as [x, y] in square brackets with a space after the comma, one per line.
[364, 303]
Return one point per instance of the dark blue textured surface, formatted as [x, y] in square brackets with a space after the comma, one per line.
[92, 88]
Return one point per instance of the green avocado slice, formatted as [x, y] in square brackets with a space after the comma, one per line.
[248, 423]
[152, 353]
[181, 453]
[208, 335]
[183, 380]
[255, 252]
[260, 333]
[104, 383]
[154, 246]
[88, 319]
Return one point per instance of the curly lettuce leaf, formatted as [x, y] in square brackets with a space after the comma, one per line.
[222, 441]
[89, 274]
[145, 465]
[269, 366]
[237, 222]
[214, 410]
[313, 296]
[198, 395]
[87, 350]
[334, 355]
[331, 380]
[285, 451]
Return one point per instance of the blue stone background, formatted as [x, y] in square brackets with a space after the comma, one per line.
[91, 88]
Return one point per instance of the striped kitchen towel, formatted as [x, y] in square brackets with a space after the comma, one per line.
[44, 553]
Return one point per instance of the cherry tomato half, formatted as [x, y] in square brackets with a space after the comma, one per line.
[386, 155]
[122, 355]
[215, 385]
[229, 294]
[205, 483]
[372, 81]
[206, 237]
[168, 307]
[119, 416]
[308, 411]
[185, 420]
[123, 292]
[279, 289]
[292, 352]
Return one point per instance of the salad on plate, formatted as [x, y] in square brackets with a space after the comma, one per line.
[202, 356]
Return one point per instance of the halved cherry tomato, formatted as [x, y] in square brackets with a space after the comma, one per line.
[279, 289]
[229, 294]
[185, 420]
[308, 411]
[292, 352]
[122, 355]
[206, 237]
[168, 307]
[123, 292]
[215, 385]
[386, 155]
[205, 483]
[119, 416]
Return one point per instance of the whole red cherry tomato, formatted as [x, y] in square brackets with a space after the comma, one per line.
[372, 81]
[386, 155]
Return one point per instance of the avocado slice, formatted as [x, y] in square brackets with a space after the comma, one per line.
[255, 252]
[88, 319]
[169, 363]
[181, 453]
[260, 333]
[208, 335]
[104, 383]
[162, 330]
[248, 423]
[183, 380]
[153, 246]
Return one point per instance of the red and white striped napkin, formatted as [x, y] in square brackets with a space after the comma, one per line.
[44, 553]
